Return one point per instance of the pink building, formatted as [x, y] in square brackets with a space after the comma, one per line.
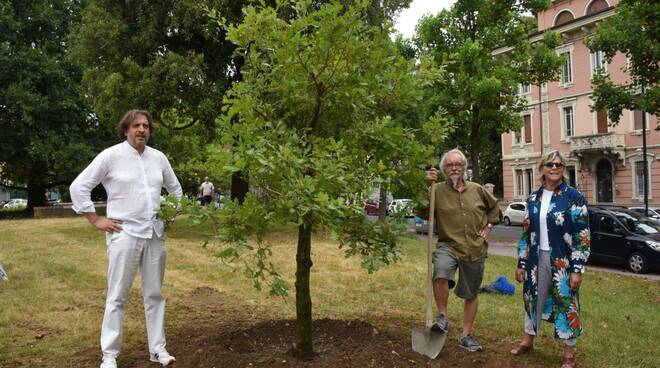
[604, 162]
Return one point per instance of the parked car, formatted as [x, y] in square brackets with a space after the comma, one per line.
[401, 205]
[623, 236]
[16, 204]
[514, 213]
[371, 207]
[654, 213]
[421, 225]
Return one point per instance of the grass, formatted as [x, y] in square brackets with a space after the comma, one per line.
[52, 307]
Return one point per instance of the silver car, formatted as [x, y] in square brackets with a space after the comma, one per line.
[654, 213]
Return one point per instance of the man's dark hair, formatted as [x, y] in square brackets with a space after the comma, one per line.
[129, 117]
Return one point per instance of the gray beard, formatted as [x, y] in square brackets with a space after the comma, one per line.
[454, 180]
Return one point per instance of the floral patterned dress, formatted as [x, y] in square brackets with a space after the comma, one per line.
[569, 239]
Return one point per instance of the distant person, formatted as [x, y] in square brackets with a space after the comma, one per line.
[133, 175]
[551, 256]
[206, 190]
[465, 213]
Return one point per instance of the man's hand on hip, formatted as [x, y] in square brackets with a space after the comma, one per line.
[108, 225]
[105, 224]
[485, 231]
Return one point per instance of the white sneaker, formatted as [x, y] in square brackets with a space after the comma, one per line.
[108, 363]
[163, 358]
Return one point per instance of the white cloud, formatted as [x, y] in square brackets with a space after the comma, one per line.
[406, 21]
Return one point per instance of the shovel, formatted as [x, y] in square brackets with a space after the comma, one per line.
[426, 341]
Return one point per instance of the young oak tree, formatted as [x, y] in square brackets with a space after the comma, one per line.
[313, 136]
[480, 91]
[635, 31]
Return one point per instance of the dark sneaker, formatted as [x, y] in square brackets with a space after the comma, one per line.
[469, 342]
[440, 324]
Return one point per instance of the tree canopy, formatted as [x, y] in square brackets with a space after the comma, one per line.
[47, 133]
[479, 91]
[633, 30]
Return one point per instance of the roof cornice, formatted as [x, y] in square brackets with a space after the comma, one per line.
[570, 27]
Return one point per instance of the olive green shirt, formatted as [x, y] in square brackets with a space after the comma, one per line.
[460, 217]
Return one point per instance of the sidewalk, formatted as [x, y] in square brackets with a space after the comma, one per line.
[506, 249]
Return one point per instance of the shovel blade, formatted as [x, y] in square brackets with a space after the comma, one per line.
[428, 342]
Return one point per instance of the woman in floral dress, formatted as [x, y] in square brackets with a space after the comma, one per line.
[551, 256]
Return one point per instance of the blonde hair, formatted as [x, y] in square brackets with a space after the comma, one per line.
[549, 157]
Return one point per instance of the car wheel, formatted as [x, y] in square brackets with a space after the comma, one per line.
[637, 263]
[506, 221]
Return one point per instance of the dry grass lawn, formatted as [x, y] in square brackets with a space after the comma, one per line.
[51, 309]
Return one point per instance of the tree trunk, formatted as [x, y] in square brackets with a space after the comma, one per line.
[239, 187]
[36, 194]
[475, 150]
[382, 203]
[303, 339]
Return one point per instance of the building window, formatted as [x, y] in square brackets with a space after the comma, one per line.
[638, 119]
[638, 167]
[598, 62]
[567, 113]
[528, 128]
[529, 175]
[564, 17]
[519, 184]
[597, 6]
[566, 70]
[517, 137]
[571, 176]
[525, 89]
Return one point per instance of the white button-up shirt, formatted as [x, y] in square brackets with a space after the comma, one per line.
[133, 183]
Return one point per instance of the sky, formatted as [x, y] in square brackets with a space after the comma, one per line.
[407, 19]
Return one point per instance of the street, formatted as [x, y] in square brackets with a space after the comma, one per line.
[504, 239]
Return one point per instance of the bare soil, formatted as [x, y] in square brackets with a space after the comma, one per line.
[215, 331]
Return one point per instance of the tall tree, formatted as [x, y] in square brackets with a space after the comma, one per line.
[480, 91]
[633, 30]
[47, 134]
[165, 57]
[314, 136]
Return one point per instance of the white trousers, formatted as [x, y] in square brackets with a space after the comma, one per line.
[127, 255]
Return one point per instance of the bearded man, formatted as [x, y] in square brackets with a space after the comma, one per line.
[465, 213]
[133, 175]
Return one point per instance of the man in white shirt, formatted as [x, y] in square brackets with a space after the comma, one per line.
[133, 176]
[206, 190]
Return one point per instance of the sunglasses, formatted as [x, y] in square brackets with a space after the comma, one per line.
[554, 165]
[454, 165]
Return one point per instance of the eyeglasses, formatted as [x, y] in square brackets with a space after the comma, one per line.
[554, 165]
[455, 165]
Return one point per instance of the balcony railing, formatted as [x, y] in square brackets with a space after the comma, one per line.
[607, 141]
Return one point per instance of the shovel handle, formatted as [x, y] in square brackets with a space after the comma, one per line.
[429, 259]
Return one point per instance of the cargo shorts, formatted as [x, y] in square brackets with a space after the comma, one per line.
[470, 274]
